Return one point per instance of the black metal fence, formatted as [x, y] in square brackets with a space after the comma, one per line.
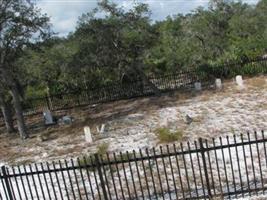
[182, 80]
[111, 92]
[223, 167]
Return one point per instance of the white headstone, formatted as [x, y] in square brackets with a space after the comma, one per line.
[239, 80]
[87, 134]
[197, 86]
[218, 83]
[48, 118]
[102, 129]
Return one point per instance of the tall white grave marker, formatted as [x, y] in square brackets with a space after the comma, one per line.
[87, 134]
[239, 81]
[102, 130]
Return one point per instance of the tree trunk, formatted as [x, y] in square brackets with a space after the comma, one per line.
[19, 113]
[147, 81]
[50, 105]
[7, 114]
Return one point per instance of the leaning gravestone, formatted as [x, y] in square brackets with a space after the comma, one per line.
[218, 84]
[102, 129]
[188, 119]
[48, 118]
[197, 86]
[87, 134]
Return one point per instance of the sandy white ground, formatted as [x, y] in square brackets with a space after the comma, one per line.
[131, 124]
[214, 114]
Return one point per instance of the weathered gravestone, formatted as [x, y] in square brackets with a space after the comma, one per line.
[188, 119]
[218, 84]
[65, 120]
[87, 134]
[48, 118]
[197, 86]
[102, 129]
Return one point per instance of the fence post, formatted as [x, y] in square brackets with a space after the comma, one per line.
[203, 150]
[9, 193]
[102, 182]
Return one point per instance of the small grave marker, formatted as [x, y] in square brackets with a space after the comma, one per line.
[188, 119]
[197, 86]
[102, 129]
[67, 120]
[48, 118]
[218, 83]
[87, 134]
[239, 80]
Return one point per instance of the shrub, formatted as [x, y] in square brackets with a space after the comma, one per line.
[124, 156]
[165, 135]
[87, 160]
[90, 158]
[102, 149]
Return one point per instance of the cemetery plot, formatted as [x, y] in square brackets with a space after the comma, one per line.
[133, 124]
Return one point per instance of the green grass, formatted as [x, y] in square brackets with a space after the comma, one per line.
[102, 149]
[90, 158]
[164, 135]
[87, 160]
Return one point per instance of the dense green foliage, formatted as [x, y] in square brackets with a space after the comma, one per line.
[103, 50]
[21, 25]
[164, 135]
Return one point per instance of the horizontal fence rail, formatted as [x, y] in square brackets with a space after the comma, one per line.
[181, 80]
[229, 167]
[111, 92]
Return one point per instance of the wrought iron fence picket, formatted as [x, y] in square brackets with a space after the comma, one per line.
[230, 167]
